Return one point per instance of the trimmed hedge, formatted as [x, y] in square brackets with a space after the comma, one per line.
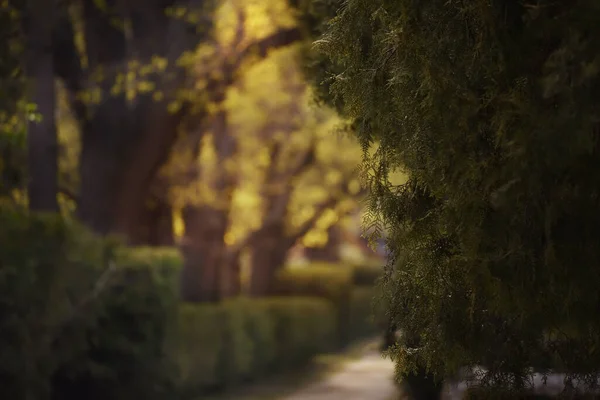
[331, 281]
[303, 327]
[367, 274]
[210, 347]
[335, 283]
[361, 320]
[134, 316]
[238, 340]
[328, 281]
[74, 323]
[83, 317]
[45, 268]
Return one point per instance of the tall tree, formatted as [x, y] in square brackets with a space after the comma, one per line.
[303, 181]
[12, 107]
[240, 39]
[281, 177]
[118, 60]
[135, 79]
[490, 108]
[42, 143]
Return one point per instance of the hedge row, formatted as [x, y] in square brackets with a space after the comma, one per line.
[353, 303]
[239, 340]
[79, 318]
[82, 317]
[367, 274]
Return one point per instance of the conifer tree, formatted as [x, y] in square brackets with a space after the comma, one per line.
[491, 109]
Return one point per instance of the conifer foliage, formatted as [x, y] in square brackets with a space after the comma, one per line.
[491, 109]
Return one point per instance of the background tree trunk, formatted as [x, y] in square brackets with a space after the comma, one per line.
[42, 143]
[191, 274]
[230, 275]
[331, 251]
[156, 224]
[124, 141]
[121, 154]
[204, 231]
[270, 247]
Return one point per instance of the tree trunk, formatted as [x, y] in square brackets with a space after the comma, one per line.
[421, 385]
[331, 251]
[123, 142]
[156, 225]
[269, 252]
[121, 151]
[162, 233]
[204, 231]
[192, 273]
[230, 275]
[42, 143]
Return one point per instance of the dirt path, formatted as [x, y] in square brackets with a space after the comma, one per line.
[369, 377]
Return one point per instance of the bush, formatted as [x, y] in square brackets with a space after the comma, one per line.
[329, 281]
[210, 347]
[83, 317]
[80, 317]
[48, 268]
[361, 321]
[166, 262]
[134, 316]
[261, 328]
[367, 274]
[222, 344]
[157, 267]
[303, 327]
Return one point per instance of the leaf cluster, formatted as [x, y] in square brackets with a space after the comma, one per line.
[490, 108]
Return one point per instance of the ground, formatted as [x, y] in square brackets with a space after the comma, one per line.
[368, 377]
[359, 372]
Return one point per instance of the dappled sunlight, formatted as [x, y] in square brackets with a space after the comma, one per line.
[222, 199]
[164, 170]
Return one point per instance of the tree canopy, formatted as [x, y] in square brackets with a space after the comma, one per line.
[125, 91]
[273, 171]
[490, 108]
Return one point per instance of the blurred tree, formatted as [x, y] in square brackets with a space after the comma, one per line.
[13, 112]
[136, 78]
[122, 66]
[281, 178]
[490, 109]
[127, 67]
[244, 33]
[42, 144]
[330, 251]
[306, 182]
[19, 115]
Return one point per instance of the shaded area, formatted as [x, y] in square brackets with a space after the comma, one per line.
[282, 385]
[369, 377]
[358, 372]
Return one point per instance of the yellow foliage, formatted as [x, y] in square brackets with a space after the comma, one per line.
[269, 104]
[262, 18]
[229, 238]
[178, 224]
[354, 186]
[397, 176]
[272, 94]
[315, 238]
[70, 144]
